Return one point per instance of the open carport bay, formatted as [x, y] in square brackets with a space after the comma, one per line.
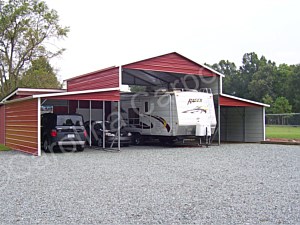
[228, 184]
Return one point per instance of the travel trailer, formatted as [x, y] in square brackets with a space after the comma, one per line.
[169, 116]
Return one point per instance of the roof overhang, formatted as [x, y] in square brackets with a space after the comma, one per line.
[65, 94]
[31, 91]
[104, 94]
[229, 100]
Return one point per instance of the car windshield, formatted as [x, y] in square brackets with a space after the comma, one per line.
[69, 120]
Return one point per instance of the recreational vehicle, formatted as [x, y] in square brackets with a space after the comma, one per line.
[169, 116]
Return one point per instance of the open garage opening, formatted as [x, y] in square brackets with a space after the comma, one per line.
[75, 124]
[152, 109]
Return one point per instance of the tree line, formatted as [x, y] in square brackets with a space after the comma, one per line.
[262, 80]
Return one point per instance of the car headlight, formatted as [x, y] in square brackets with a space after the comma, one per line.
[129, 134]
[109, 134]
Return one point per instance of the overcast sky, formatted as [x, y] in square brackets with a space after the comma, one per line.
[115, 32]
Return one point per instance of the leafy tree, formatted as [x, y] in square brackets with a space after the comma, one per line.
[249, 67]
[267, 99]
[262, 81]
[293, 91]
[25, 28]
[281, 105]
[281, 80]
[230, 82]
[40, 75]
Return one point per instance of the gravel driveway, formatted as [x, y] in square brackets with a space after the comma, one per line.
[228, 184]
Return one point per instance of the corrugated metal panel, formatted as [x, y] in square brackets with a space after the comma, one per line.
[99, 96]
[224, 101]
[254, 124]
[232, 124]
[242, 124]
[173, 63]
[2, 124]
[22, 126]
[108, 78]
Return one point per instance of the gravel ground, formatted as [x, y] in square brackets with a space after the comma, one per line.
[229, 184]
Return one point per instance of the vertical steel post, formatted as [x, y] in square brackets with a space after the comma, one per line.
[39, 127]
[264, 122]
[119, 125]
[219, 122]
[90, 134]
[103, 124]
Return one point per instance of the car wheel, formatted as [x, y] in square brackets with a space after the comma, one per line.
[46, 146]
[137, 139]
[79, 148]
[99, 142]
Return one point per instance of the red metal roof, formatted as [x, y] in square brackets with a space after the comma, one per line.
[173, 63]
[228, 100]
[26, 92]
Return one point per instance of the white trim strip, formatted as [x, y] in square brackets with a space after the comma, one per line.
[18, 100]
[76, 92]
[7, 97]
[212, 70]
[244, 100]
[32, 90]
[264, 123]
[39, 127]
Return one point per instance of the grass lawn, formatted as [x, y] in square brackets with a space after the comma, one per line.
[4, 148]
[283, 132]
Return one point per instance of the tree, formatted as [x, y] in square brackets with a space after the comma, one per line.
[281, 80]
[267, 99]
[281, 105]
[247, 70]
[40, 75]
[231, 75]
[25, 27]
[262, 82]
[293, 91]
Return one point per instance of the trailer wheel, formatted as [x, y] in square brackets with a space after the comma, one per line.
[137, 139]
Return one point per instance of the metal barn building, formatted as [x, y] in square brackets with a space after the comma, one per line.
[239, 120]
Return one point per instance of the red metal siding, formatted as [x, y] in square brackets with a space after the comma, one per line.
[224, 101]
[108, 78]
[99, 96]
[173, 62]
[22, 126]
[2, 124]
[60, 109]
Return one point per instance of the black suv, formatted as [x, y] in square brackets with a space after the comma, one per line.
[61, 130]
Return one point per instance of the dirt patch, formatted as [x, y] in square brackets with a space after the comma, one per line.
[282, 141]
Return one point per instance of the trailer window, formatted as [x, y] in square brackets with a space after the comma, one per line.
[133, 115]
[146, 107]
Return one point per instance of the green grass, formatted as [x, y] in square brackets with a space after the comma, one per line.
[4, 148]
[283, 132]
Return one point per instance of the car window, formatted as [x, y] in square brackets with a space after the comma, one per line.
[98, 125]
[69, 120]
